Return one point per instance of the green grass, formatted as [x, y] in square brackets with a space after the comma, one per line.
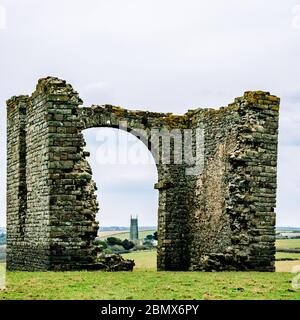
[125, 235]
[288, 244]
[145, 283]
[148, 285]
[286, 255]
[144, 260]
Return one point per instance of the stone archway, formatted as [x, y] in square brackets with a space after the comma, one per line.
[172, 245]
[125, 173]
[219, 218]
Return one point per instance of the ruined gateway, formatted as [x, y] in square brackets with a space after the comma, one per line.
[221, 219]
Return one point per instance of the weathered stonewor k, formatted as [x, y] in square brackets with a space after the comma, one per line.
[220, 219]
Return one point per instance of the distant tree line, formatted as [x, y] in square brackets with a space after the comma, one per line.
[2, 238]
[116, 245]
[152, 236]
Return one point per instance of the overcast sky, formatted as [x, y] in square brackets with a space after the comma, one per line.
[167, 56]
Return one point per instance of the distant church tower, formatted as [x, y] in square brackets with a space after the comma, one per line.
[134, 229]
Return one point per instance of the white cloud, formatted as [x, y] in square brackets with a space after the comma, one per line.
[288, 186]
[97, 91]
[160, 56]
[3, 18]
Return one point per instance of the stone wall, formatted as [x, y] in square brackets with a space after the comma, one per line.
[233, 219]
[16, 179]
[221, 218]
[51, 223]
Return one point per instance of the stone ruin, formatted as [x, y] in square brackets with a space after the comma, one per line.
[219, 219]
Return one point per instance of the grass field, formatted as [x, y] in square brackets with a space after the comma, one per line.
[105, 234]
[286, 266]
[123, 234]
[148, 284]
[286, 255]
[145, 283]
[288, 244]
[144, 260]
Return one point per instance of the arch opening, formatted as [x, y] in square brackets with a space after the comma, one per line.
[125, 174]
